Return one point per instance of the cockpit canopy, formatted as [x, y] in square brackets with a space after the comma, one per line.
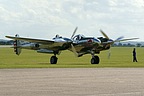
[78, 37]
[57, 37]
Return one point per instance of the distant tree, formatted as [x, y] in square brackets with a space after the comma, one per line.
[129, 45]
[6, 42]
[114, 45]
[124, 45]
[2, 43]
[138, 45]
[120, 44]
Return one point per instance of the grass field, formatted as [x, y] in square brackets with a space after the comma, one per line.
[120, 57]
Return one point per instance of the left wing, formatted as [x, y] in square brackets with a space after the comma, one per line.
[32, 40]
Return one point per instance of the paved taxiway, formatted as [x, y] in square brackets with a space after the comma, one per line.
[72, 82]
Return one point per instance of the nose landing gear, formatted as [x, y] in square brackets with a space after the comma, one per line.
[53, 60]
[95, 60]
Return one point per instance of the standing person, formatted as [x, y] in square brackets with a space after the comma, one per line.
[134, 55]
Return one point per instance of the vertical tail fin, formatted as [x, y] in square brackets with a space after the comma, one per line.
[17, 47]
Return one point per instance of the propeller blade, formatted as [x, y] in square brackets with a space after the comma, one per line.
[120, 38]
[125, 39]
[129, 39]
[74, 50]
[109, 53]
[104, 34]
[74, 32]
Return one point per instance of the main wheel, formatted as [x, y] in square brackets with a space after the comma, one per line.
[53, 60]
[95, 60]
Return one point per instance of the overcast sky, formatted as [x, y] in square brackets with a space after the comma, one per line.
[46, 18]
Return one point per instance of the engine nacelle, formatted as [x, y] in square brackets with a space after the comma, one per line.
[34, 46]
[31, 46]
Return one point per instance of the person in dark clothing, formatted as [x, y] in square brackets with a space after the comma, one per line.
[134, 55]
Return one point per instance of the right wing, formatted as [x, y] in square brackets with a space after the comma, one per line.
[31, 40]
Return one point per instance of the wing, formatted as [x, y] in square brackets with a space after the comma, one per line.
[31, 40]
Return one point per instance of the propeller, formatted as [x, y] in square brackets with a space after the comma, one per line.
[73, 48]
[110, 41]
[117, 40]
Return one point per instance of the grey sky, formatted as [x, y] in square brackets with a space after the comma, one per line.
[46, 18]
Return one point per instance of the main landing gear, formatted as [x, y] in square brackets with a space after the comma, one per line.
[53, 60]
[95, 60]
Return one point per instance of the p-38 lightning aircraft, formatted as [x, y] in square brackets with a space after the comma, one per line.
[78, 44]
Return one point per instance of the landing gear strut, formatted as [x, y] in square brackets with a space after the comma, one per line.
[95, 60]
[53, 60]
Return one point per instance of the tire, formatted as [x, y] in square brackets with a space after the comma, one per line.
[95, 60]
[53, 60]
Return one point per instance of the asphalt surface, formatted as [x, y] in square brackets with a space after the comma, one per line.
[72, 82]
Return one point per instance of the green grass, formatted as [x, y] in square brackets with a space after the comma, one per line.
[120, 57]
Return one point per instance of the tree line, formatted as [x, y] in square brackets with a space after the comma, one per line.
[3, 42]
[127, 45]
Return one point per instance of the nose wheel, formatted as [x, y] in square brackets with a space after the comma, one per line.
[53, 60]
[95, 60]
